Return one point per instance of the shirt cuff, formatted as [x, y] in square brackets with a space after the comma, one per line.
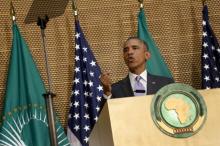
[107, 97]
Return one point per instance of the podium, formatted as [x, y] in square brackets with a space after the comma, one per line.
[128, 122]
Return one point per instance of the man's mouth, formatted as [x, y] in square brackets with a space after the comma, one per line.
[130, 59]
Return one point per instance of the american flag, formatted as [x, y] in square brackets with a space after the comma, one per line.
[87, 92]
[210, 55]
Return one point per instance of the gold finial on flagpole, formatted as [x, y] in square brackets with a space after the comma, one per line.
[74, 8]
[141, 3]
[12, 12]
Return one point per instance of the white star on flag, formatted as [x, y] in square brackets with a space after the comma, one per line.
[204, 34]
[76, 127]
[205, 45]
[76, 104]
[206, 66]
[77, 35]
[76, 81]
[76, 116]
[87, 128]
[77, 69]
[203, 23]
[100, 88]
[77, 47]
[86, 116]
[205, 56]
[93, 63]
[85, 49]
[77, 58]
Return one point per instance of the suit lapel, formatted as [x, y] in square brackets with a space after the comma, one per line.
[150, 83]
[126, 87]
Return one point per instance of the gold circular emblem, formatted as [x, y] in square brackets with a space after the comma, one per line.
[178, 110]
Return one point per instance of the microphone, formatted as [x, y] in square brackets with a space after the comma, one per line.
[139, 91]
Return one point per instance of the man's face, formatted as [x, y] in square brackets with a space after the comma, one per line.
[135, 55]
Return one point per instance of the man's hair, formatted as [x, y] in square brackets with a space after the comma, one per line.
[137, 38]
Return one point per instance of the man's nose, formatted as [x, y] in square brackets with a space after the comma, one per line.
[130, 50]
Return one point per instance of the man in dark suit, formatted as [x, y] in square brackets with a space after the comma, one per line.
[135, 53]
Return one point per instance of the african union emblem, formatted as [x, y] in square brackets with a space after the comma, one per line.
[178, 110]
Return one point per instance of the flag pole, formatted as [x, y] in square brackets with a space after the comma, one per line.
[141, 3]
[42, 22]
[12, 12]
[74, 7]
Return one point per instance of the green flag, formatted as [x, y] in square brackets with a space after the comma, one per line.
[24, 120]
[156, 64]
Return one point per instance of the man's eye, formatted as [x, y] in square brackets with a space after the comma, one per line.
[125, 49]
[136, 47]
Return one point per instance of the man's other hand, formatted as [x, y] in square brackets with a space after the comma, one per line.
[106, 83]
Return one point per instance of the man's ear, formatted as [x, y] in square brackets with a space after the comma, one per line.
[147, 55]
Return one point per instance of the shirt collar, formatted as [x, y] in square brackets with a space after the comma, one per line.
[143, 75]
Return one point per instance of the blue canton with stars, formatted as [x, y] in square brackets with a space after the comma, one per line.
[87, 92]
[210, 55]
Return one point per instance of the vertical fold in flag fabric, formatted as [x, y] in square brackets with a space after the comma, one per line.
[87, 92]
[24, 120]
[210, 55]
[156, 64]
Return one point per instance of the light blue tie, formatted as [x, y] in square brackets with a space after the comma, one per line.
[139, 89]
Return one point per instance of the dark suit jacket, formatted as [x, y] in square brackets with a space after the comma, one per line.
[123, 87]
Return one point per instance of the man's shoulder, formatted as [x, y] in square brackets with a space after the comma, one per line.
[156, 82]
[159, 78]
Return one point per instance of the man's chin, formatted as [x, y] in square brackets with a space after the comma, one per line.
[132, 67]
